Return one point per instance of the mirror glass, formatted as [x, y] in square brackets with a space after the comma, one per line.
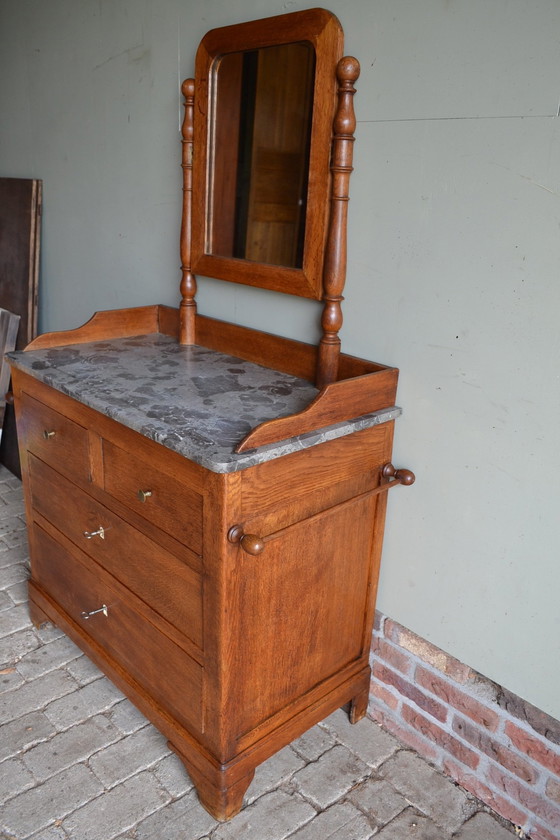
[259, 158]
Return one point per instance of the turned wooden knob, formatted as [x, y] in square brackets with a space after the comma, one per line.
[403, 476]
[250, 543]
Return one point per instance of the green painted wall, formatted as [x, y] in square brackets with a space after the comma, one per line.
[453, 274]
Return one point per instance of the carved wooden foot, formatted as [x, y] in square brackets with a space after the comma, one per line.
[37, 616]
[221, 795]
[358, 706]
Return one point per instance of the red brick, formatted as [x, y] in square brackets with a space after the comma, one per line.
[427, 652]
[378, 620]
[474, 785]
[553, 790]
[392, 655]
[408, 737]
[383, 694]
[538, 720]
[524, 796]
[434, 733]
[539, 832]
[458, 699]
[432, 707]
[533, 747]
[492, 748]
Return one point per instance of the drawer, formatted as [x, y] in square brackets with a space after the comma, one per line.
[159, 498]
[55, 439]
[164, 582]
[153, 660]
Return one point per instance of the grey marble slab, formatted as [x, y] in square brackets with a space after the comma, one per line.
[196, 401]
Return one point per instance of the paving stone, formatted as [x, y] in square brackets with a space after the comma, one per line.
[17, 645]
[313, 743]
[329, 778]
[15, 536]
[14, 778]
[48, 657]
[10, 678]
[70, 747]
[48, 632]
[50, 833]
[379, 800]
[173, 776]
[11, 557]
[274, 772]
[17, 593]
[370, 743]
[6, 603]
[127, 717]
[128, 756]
[274, 816]
[483, 826]
[43, 805]
[433, 794]
[14, 619]
[117, 810]
[86, 701]
[340, 822]
[83, 670]
[10, 505]
[10, 520]
[181, 819]
[34, 695]
[25, 732]
[409, 825]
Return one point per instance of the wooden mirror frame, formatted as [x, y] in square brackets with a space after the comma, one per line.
[322, 30]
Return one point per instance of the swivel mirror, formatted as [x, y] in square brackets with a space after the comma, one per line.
[265, 94]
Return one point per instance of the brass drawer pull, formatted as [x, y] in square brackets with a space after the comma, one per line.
[89, 535]
[48, 433]
[144, 495]
[104, 609]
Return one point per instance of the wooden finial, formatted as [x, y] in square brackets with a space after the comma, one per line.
[334, 271]
[187, 309]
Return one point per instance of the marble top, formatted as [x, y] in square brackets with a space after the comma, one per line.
[196, 401]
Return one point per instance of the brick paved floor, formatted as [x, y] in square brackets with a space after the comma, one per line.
[78, 761]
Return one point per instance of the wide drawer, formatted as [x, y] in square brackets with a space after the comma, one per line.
[154, 661]
[55, 439]
[166, 583]
[158, 497]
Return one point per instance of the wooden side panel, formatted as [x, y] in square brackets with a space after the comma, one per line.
[112, 323]
[337, 402]
[301, 607]
[321, 476]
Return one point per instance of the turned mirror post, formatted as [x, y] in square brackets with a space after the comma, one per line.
[187, 310]
[334, 275]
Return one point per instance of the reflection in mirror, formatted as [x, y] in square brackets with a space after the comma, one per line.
[263, 105]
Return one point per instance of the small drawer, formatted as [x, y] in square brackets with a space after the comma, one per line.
[153, 660]
[168, 585]
[161, 499]
[54, 438]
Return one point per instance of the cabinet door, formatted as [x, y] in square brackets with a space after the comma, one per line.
[301, 608]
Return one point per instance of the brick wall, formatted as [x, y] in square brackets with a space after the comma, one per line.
[499, 747]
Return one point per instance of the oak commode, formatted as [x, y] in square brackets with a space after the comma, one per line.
[205, 501]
